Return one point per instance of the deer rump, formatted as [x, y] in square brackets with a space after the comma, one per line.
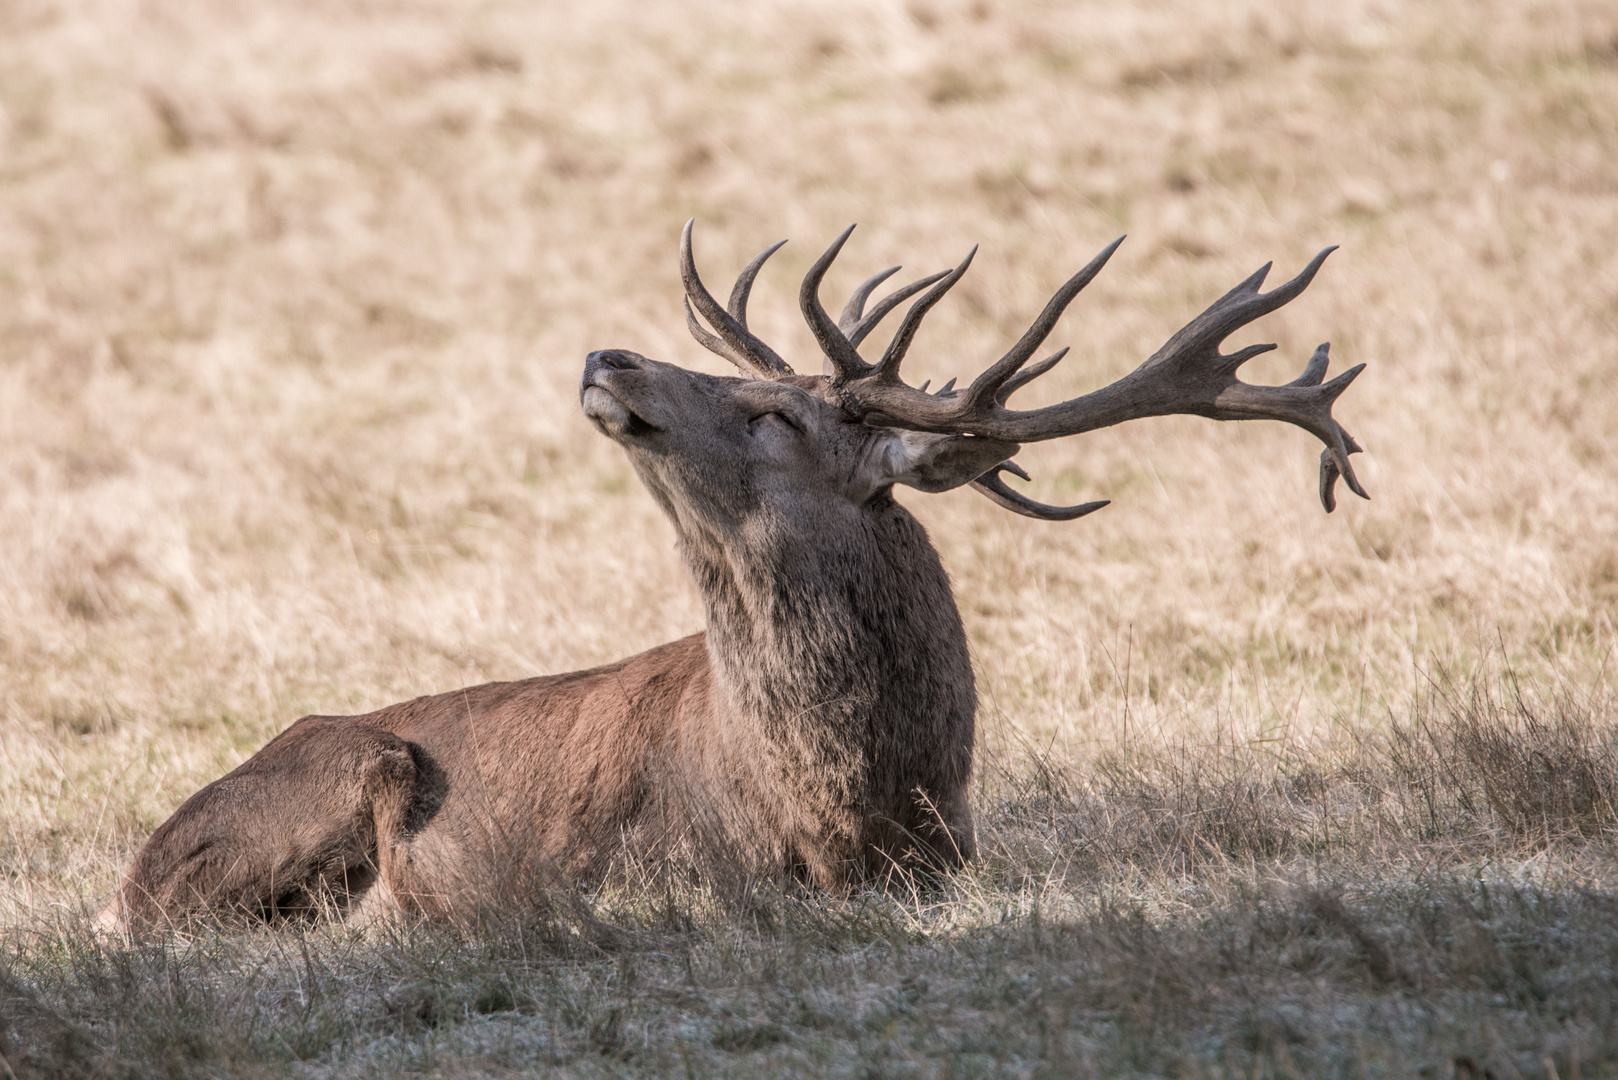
[825, 718]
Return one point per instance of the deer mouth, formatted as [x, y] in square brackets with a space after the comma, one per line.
[613, 416]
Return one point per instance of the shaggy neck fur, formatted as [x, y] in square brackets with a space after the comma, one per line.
[841, 649]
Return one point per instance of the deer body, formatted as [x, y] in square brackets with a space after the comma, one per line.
[753, 738]
[825, 718]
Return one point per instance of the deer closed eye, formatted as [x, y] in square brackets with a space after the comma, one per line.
[777, 418]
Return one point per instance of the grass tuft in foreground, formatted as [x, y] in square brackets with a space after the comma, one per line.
[1426, 901]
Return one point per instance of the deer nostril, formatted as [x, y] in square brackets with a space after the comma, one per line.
[608, 358]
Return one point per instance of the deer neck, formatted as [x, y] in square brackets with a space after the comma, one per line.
[839, 642]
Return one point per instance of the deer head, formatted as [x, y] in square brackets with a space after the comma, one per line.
[717, 452]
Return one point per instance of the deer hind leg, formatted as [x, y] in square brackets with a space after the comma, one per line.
[292, 832]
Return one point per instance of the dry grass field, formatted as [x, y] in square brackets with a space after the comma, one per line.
[293, 302]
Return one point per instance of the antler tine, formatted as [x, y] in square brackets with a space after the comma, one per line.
[733, 341]
[744, 282]
[1028, 375]
[711, 341]
[856, 300]
[1234, 310]
[995, 489]
[840, 352]
[987, 385]
[1330, 470]
[887, 369]
[870, 320]
[1315, 370]
[884, 392]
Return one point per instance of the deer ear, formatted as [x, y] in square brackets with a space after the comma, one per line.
[931, 462]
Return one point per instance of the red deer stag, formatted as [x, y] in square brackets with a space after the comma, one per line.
[824, 719]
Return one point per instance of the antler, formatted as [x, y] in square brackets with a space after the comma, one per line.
[1187, 375]
[733, 341]
[990, 485]
[839, 340]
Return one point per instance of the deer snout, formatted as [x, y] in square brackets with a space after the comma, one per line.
[601, 365]
[605, 403]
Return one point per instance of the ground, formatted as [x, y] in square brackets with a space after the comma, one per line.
[293, 302]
